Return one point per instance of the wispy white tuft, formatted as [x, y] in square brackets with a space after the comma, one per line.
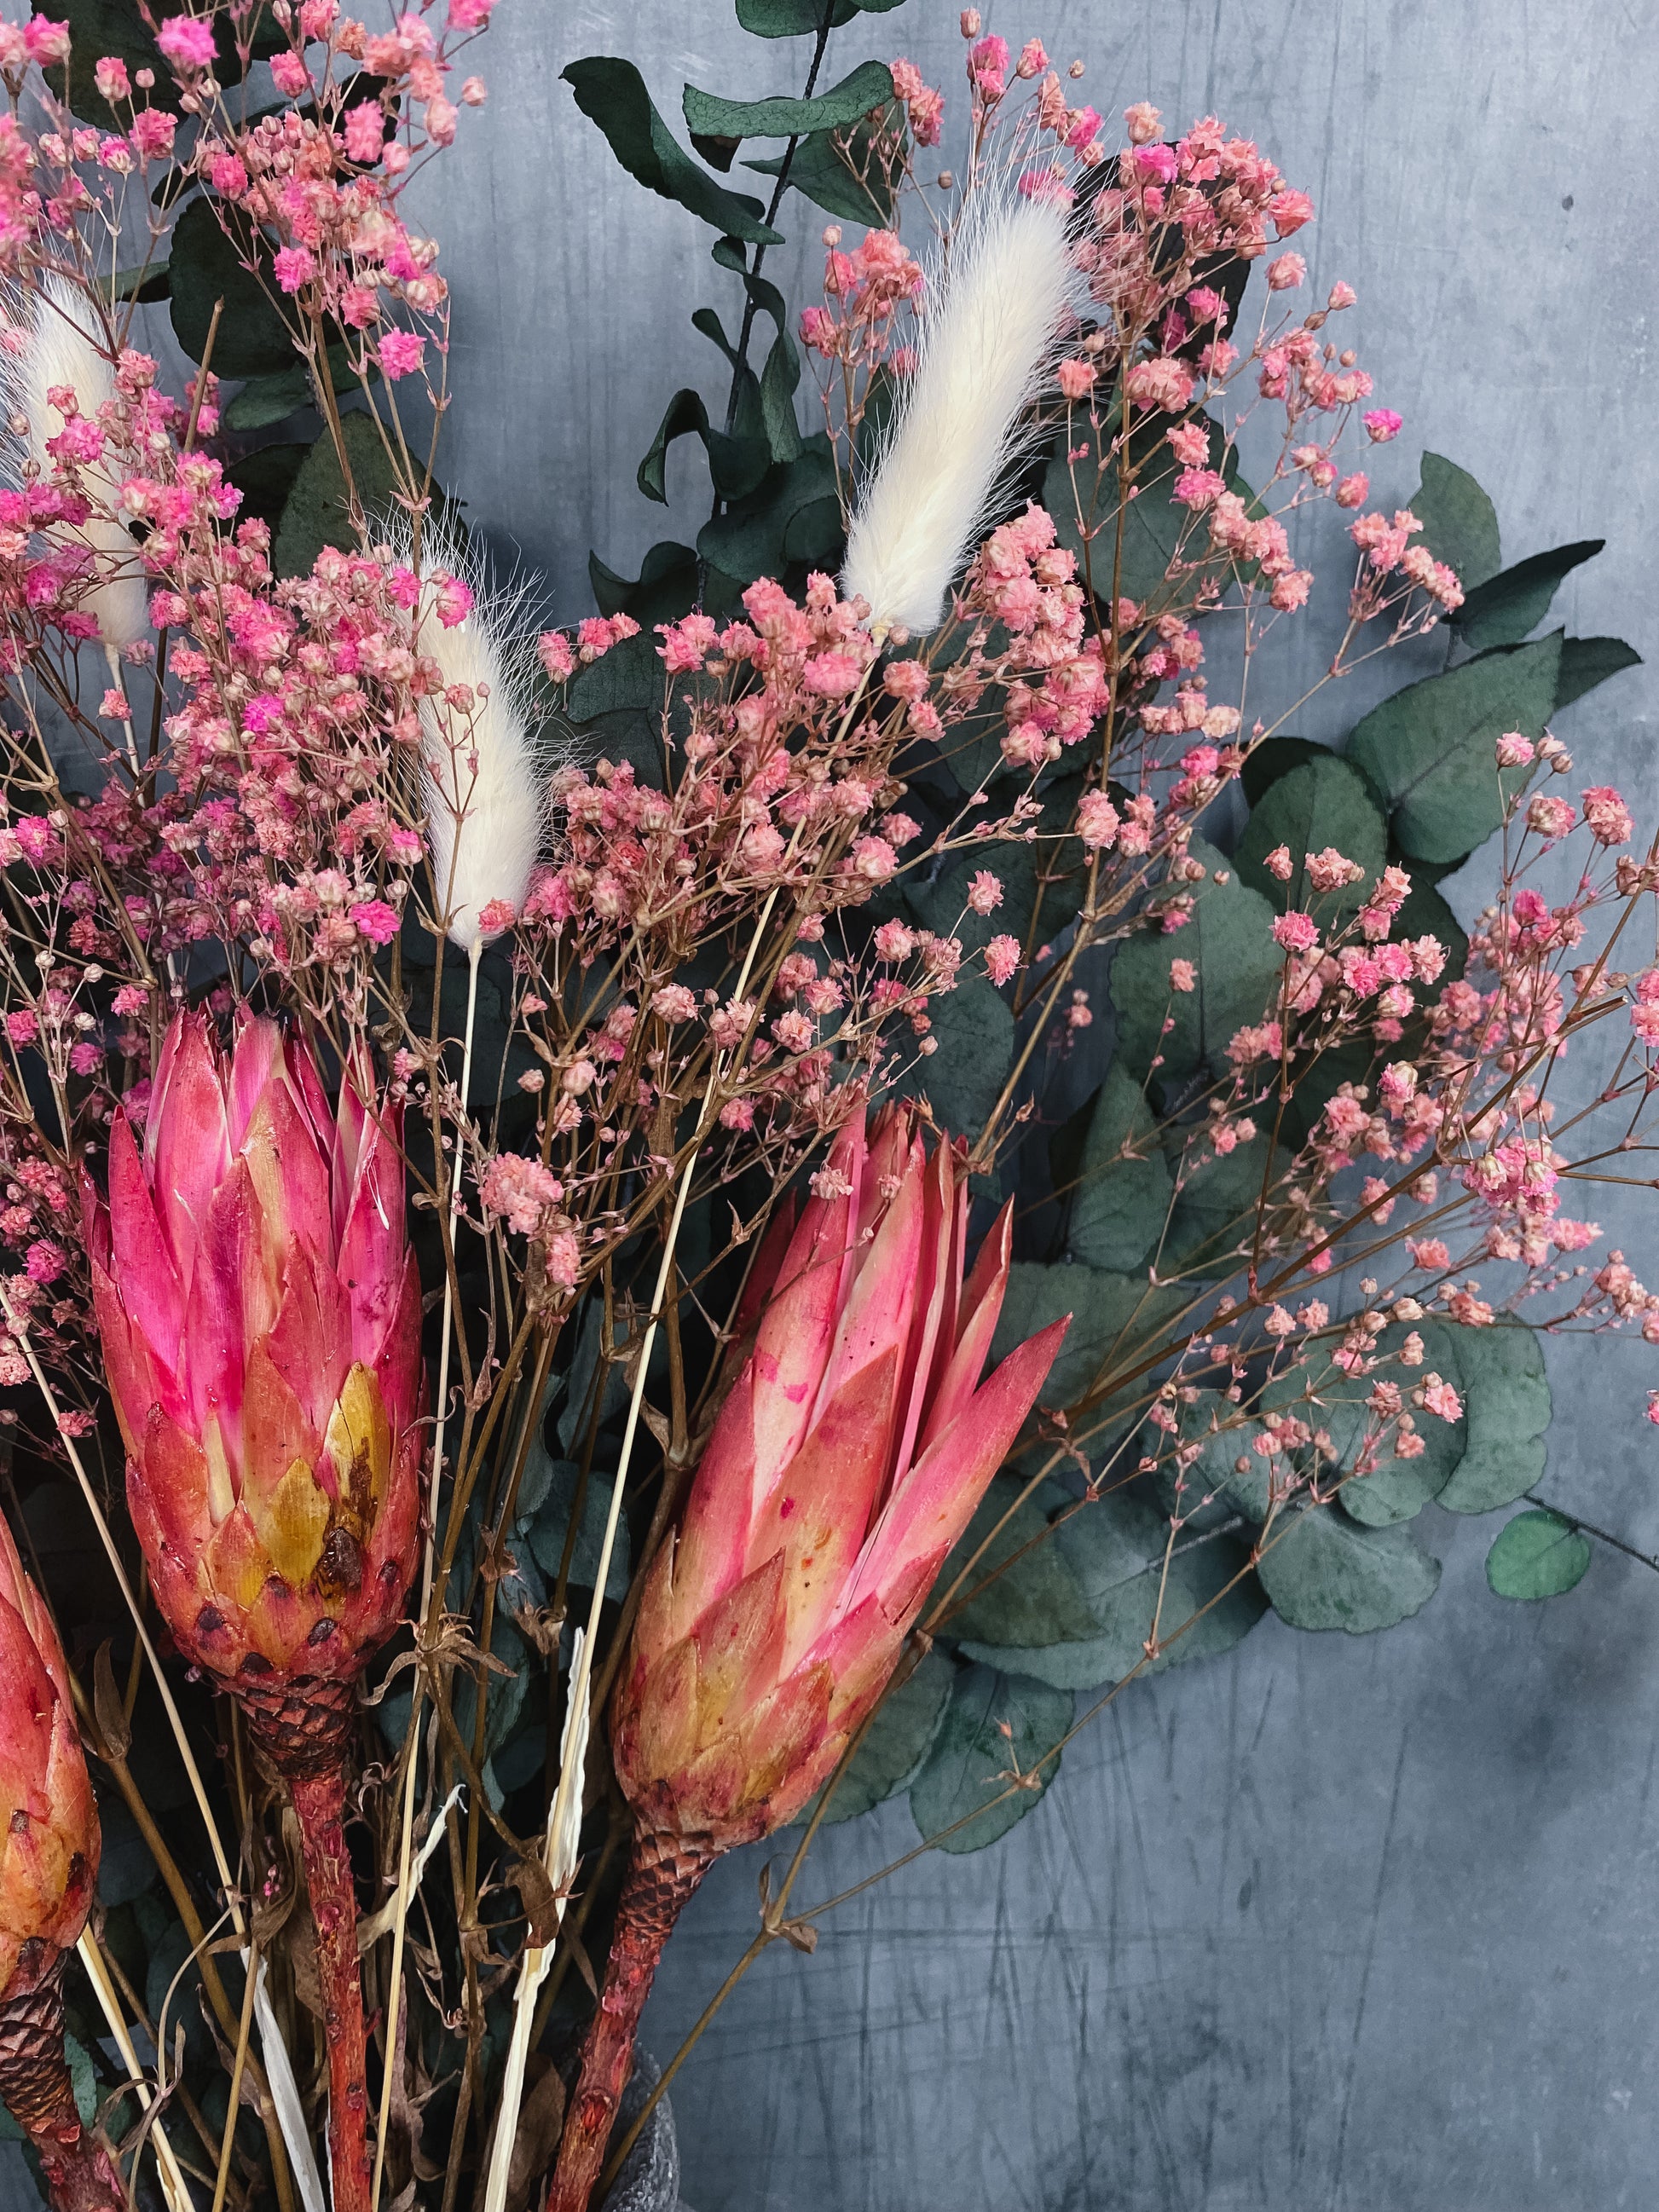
[62, 347]
[481, 777]
[995, 307]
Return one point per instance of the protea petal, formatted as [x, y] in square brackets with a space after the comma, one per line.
[981, 1310]
[309, 1342]
[818, 1511]
[740, 1641]
[152, 1290]
[935, 1501]
[186, 1140]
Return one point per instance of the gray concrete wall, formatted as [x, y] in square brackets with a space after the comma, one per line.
[1330, 1924]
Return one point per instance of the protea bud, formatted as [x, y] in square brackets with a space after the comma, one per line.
[845, 1461]
[259, 1313]
[49, 1849]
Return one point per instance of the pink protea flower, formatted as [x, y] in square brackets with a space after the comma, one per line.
[259, 1314]
[852, 1446]
[49, 1853]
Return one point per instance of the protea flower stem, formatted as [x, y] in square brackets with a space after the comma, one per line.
[661, 1880]
[303, 1724]
[35, 2082]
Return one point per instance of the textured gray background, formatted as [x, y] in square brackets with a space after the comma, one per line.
[1330, 1923]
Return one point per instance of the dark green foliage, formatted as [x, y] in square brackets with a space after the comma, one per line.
[1230, 941]
[896, 1742]
[995, 1728]
[612, 93]
[1321, 803]
[1428, 750]
[870, 85]
[1538, 1554]
[1508, 606]
[1322, 1570]
[851, 173]
[794, 19]
[317, 511]
[206, 266]
[1460, 523]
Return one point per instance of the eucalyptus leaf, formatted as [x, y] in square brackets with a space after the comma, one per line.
[611, 93]
[546, 1530]
[1122, 1202]
[896, 1742]
[853, 174]
[1018, 1586]
[1323, 803]
[1116, 1320]
[1429, 749]
[1401, 1487]
[627, 678]
[973, 1029]
[1538, 1554]
[1588, 661]
[795, 19]
[665, 589]
[1322, 1571]
[1460, 523]
[1503, 609]
[1230, 941]
[207, 267]
[1078, 1608]
[317, 512]
[971, 1757]
[1216, 1198]
[870, 85]
[1155, 529]
[1507, 1402]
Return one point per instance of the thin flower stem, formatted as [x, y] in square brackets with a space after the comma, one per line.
[92, 1959]
[412, 1760]
[250, 1983]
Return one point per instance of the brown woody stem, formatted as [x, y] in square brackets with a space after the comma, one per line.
[664, 1872]
[35, 2083]
[303, 1726]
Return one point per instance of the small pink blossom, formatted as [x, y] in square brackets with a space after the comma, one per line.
[187, 42]
[1183, 976]
[984, 892]
[1381, 424]
[1002, 958]
[376, 921]
[400, 353]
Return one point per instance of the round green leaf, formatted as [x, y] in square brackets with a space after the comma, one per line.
[1507, 1402]
[972, 1759]
[1324, 1571]
[1116, 1321]
[1230, 941]
[1322, 803]
[896, 1742]
[206, 266]
[1538, 1554]
[1429, 749]
[1122, 1202]
[973, 1031]
[1460, 523]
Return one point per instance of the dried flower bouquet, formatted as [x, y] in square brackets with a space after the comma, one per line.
[627, 1236]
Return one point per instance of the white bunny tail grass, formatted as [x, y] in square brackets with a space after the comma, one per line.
[995, 309]
[481, 780]
[63, 347]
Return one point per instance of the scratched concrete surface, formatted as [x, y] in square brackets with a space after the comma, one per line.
[1330, 1925]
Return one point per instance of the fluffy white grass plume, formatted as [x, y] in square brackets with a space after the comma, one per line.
[62, 346]
[995, 307]
[480, 775]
